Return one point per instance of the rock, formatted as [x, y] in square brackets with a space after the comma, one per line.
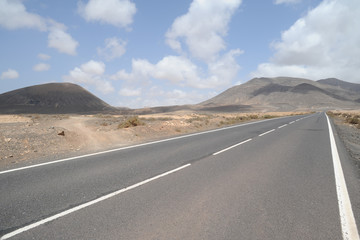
[62, 133]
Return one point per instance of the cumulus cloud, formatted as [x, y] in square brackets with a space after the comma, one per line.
[9, 74]
[181, 71]
[287, 1]
[176, 69]
[13, 15]
[43, 56]
[90, 73]
[324, 43]
[114, 48]
[41, 67]
[204, 63]
[129, 92]
[155, 95]
[60, 40]
[115, 12]
[202, 29]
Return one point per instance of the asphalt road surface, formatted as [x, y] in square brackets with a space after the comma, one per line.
[272, 179]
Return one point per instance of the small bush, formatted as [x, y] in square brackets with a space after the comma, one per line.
[253, 116]
[131, 122]
[268, 116]
[354, 121]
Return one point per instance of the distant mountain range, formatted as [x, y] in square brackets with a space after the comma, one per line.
[52, 98]
[289, 94]
[258, 94]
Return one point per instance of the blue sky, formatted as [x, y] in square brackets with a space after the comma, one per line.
[150, 53]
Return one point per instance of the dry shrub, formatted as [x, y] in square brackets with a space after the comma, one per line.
[131, 122]
[354, 120]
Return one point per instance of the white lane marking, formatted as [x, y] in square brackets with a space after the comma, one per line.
[283, 126]
[348, 223]
[297, 120]
[135, 146]
[291, 122]
[84, 205]
[266, 132]
[226, 149]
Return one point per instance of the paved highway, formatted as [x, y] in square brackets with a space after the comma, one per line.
[272, 179]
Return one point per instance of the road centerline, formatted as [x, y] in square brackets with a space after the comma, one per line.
[87, 204]
[233, 146]
[135, 146]
[260, 135]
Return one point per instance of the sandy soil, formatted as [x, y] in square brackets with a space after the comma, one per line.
[37, 138]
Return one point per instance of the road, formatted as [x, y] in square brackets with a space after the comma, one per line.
[272, 179]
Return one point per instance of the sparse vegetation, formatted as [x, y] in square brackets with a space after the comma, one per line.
[269, 116]
[253, 116]
[131, 122]
[351, 118]
[354, 120]
[152, 119]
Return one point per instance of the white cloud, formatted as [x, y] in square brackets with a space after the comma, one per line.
[41, 67]
[181, 71]
[324, 43]
[128, 92]
[9, 74]
[203, 62]
[202, 29]
[90, 73]
[155, 95]
[13, 15]
[176, 69]
[43, 56]
[114, 48]
[287, 1]
[115, 12]
[60, 40]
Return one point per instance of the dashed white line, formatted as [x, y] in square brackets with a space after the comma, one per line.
[291, 122]
[226, 149]
[71, 210]
[266, 132]
[348, 223]
[133, 146]
[282, 126]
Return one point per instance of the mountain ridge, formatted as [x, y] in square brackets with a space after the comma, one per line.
[288, 94]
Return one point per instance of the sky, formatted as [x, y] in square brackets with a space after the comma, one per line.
[134, 53]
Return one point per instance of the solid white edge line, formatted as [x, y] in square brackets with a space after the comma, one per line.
[266, 132]
[282, 126]
[226, 149]
[348, 223]
[135, 146]
[84, 205]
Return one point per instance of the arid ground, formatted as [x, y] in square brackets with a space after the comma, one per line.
[34, 138]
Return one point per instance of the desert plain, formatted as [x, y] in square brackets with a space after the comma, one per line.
[35, 138]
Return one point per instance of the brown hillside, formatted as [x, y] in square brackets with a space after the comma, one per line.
[288, 94]
[51, 98]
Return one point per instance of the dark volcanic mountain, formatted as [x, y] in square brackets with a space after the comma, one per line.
[288, 94]
[51, 98]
